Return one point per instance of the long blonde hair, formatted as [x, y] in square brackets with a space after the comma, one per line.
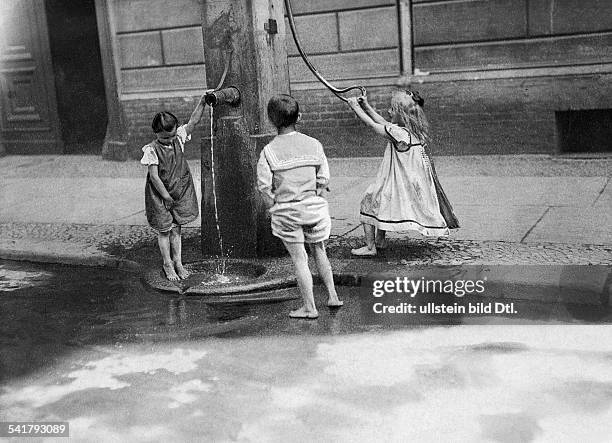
[411, 115]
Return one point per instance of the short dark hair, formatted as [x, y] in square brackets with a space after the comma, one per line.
[164, 122]
[283, 110]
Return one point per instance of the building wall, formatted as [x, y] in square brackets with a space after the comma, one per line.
[350, 43]
[160, 64]
[493, 72]
[454, 36]
[159, 47]
[501, 69]
[345, 39]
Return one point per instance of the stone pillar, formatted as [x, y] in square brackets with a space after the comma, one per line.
[251, 33]
[115, 141]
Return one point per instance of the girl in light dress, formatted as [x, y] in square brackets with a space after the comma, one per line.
[407, 195]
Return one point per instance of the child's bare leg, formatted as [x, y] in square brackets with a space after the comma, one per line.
[325, 272]
[370, 248]
[380, 239]
[304, 280]
[369, 231]
[163, 240]
[176, 245]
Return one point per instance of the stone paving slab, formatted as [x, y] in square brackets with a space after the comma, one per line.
[69, 166]
[138, 218]
[346, 227]
[533, 165]
[540, 165]
[344, 200]
[523, 191]
[604, 200]
[78, 200]
[506, 223]
[564, 224]
[341, 186]
[101, 200]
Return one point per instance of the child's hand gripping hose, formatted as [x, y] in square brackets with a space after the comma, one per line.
[336, 91]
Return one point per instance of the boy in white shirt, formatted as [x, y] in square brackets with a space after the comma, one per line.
[292, 173]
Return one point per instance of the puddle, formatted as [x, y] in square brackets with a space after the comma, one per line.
[46, 309]
[14, 279]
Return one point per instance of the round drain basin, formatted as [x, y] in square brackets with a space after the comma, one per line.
[221, 277]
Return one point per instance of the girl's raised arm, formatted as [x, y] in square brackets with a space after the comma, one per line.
[363, 101]
[379, 128]
[196, 116]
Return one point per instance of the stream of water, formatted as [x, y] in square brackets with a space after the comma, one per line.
[221, 272]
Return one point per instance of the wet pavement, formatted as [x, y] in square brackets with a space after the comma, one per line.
[120, 362]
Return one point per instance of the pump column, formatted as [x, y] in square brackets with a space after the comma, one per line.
[252, 33]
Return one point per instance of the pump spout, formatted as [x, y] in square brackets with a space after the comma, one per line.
[229, 95]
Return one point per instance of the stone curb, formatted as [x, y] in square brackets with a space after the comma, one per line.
[72, 259]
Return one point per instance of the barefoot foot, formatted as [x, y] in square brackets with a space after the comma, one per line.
[303, 313]
[334, 303]
[169, 271]
[181, 271]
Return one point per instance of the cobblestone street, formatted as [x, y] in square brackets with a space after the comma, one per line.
[139, 243]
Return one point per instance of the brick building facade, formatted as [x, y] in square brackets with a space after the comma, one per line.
[499, 76]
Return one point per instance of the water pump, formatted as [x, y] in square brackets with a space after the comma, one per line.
[229, 95]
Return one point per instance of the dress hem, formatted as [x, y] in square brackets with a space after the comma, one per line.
[405, 225]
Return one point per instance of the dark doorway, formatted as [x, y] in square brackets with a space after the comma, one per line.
[585, 131]
[79, 81]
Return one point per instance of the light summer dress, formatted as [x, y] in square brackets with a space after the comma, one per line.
[407, 195]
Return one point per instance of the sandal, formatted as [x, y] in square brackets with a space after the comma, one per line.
[364, 251]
